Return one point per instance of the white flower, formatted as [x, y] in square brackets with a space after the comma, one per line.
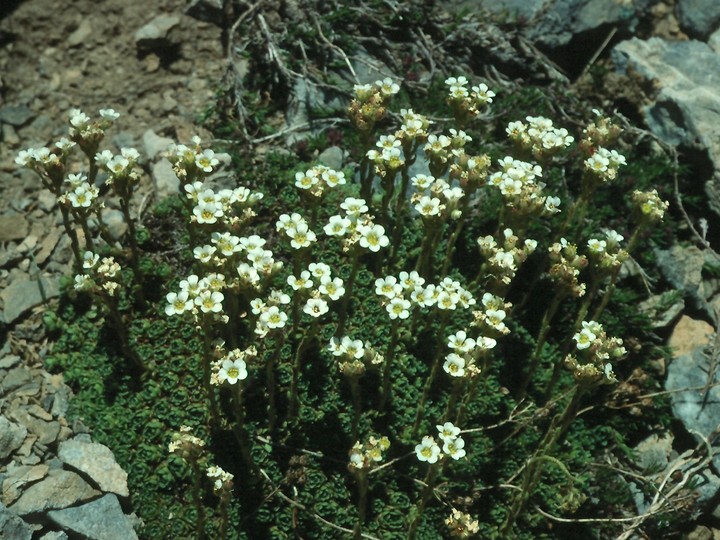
[387, 287]
[337, 226]
[387, 87]
[398, 308]
[552, 204]
[333, 178]
[109, 114]
[428, 207]
[307, 179]
[204, 253]
[210, 301]
[585, 338]
[410, 280]
[333, 289]
[448, 431]
[288, 221]
[301, 236]
[316, 307]
[302, 282]
[455, 448]
[596, 246]
[226, 243]
[353, 348]
[83, 282]
[354, 207]
[319, 270]
[428, 450]
[257, 306]
[232, 371]
[373, 237]
[206, 161]
[460, 342]
[192, 285]
[274, 318]
[483, 94]
[90, 259]
[422, 181]
[207, 212]
[597, 163]
[178, 303]
[454, 365]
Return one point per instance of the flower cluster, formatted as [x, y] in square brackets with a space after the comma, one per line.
[566, 266]
[539, 136]
[100, 274]
[81, 196]
[650, 206]
[435, 198]
[467, 104]
[518, 183]
[316, 179]
[222, 480]
[491, 320]
[232, 367]
[370, 103]
[462, 525]
[462, 361]
[357, 227]
[197, 295]
[365, 456]
[212, 207]
[601, 132]
[606, 253]
[595, 352]
[504, 261]
[186, 445]
[353, 355]
[603, 164]
[88, 133]
[453, 445]
[192, 163]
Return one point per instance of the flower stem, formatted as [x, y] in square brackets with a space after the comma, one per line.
[430, 479]
[387, 368]
[431, 377]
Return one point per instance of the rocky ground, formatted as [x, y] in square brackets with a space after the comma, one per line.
[159, 67]
[156, 66]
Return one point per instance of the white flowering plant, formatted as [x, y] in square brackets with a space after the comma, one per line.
[435, 282]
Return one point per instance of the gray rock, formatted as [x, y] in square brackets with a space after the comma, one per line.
[47, 245]
[332, 157]
[20, 296]
[154, 143]
[156, 32]
[700, 416]
[115, 223]
[98, 462]
[102, 519]
[166, 182]
[682, 267]
[45, 430]
[12, 436]
[18, 477]
[54, 535]
[698, 18]
[16, 115]
[686, 109]
[306, 101]
[46, 200]
[10, 136]
[12, 526]
[59, 489]
[81, 33]
[8, 361]
[553, 24]
[13, 226]
[654, 452]
[206, 10]
[662, 309]
[714, 41]
[15, 378]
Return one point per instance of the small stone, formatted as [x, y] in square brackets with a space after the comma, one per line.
[27, 244]
[688, 334]
[166, 182]
[115, 223]
[47, 245]
[11, 437]
[12, 526]
[332, 157]
[155, 33]
[16, 115]
[10, 136]
[45, 431]
[20, 296]
[206, 10]
[102, 519]
[8, 361]
[46, 200]
[154, 144]
[80, 35]
[96, 461]
[15, 378]
[655, 451]
[59, 489]
[18, 477]
[13, 226]
[54, 535]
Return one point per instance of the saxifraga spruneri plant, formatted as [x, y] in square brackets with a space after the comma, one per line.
[326, 311]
